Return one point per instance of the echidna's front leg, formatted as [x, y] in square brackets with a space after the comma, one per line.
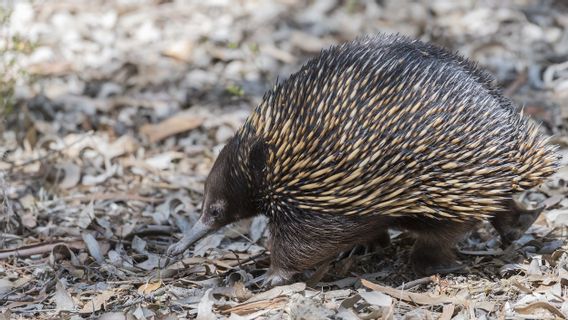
[296, 246]
[287, 258]
[382, 240]
[434, 251]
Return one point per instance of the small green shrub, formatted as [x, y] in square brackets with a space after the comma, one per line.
[12, 47]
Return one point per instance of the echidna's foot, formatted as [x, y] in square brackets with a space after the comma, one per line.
[448, 267]
[383, 239]
[431, 255]
[178, 247]
[513, 224]
[277, 277]
[425, 264]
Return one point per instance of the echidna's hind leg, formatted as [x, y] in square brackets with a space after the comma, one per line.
[434, 250]
[377, 243]
[511, 225]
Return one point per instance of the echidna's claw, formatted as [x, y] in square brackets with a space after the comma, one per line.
[273, 281]
[178, 247]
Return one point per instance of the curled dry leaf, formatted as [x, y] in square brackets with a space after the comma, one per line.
[71, 175]
[90, 180]
[237, 291]
[148, 288]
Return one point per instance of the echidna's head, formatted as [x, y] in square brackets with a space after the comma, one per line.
[232, 187]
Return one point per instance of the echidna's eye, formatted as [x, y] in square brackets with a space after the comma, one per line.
[215, 211]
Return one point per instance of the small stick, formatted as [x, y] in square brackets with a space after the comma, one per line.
[39, 248]
[415, 283]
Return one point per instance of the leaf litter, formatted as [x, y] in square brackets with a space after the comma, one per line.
[129, 104]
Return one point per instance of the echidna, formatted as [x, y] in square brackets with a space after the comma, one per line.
[380, 132]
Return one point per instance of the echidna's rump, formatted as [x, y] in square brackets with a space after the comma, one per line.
[386, 125]
[377, 133]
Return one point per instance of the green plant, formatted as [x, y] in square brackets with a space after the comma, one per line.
[235, 90]
[12, 47]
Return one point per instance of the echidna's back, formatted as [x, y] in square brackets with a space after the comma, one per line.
[393, 126]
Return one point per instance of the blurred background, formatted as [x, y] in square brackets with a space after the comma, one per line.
[113, 111]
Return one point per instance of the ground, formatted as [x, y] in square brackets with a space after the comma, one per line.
[114, 111]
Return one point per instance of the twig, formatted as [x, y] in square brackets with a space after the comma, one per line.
[414, 283]
[39, 248]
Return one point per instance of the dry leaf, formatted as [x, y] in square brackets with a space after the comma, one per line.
[148, 288]
[248, 307]
[419, 298]
[178, 123]
[207, 243]
[93, 247]
[164, 160]
[29, 220]
[154, 261]
[205, 307]
[257, 227]
[529, 309]
[376, 298]
[113, 316]
[96, 303]
[346, 314]
[121, 146]
[90, 180]
[278, 291]
[5, 286]
[86, 216]
[447, 312]
[255, 315]
[63, 300]
[180, 50]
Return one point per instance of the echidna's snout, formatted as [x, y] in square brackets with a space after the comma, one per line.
[200, 229]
